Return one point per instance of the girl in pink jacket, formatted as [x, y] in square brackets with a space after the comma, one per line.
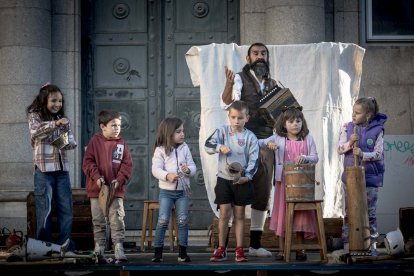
[292, 143]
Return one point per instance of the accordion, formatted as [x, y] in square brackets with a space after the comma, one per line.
[272, 104]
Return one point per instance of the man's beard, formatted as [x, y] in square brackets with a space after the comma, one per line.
[260, 68]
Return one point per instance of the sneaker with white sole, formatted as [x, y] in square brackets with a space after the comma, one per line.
[240, 257]
[99, 249]
[219, 255]
[373, 252]
[260, 252]
[119, 253]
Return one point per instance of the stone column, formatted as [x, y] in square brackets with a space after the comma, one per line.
[282, 21]
[25, 64]
[39, 43]
[66, 70]
[294, 21]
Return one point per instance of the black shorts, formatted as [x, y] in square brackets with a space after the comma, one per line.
[235, 194]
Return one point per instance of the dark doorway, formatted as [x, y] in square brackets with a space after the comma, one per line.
[133, 61]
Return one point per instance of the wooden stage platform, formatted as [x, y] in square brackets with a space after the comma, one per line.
[140, 264]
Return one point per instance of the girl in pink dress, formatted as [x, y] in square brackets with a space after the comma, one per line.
[292, 143]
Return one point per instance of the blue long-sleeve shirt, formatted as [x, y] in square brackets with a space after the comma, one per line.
[243, 149]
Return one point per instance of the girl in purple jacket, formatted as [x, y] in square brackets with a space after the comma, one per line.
[370, 150]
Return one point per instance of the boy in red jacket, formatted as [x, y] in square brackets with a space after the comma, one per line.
[107, 161]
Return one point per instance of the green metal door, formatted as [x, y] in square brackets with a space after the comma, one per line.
[134, 62]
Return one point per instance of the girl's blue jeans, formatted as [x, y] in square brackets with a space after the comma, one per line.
[167, 199]
[53, 187]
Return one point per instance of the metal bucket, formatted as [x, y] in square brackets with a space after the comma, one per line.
[394, 242]
[40, 250]
[299, 182]
[61, 142]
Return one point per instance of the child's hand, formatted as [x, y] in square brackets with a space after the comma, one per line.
[353, 139]
[224, 150]
[184, 168]
[100, 182]
[115, 183]
[172, 177]
[242, 180]
[62, 121]
[357, 152]
[300, 159]
[272, 146]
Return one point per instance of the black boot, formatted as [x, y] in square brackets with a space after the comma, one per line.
[255, 239]
[157, 255]
[182, 254]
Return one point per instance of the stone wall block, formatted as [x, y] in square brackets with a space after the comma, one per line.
[16, 137]
[388, 66]
[24, 65]
[64, 65]
[17, 176]
[295, 22]
[64, 6]
[64, 32]
[252, 6]
[254, 21]
[16, 95]
[398, 111]
[22, 27]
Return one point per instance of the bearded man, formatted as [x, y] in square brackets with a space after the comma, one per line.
[250, 85]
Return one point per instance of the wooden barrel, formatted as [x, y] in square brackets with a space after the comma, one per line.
[357, 209]
[299, 182]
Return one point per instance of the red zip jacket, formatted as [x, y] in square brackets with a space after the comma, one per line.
[108, 158]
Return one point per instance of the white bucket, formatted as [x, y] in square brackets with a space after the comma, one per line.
[394, 242]
[40, 250]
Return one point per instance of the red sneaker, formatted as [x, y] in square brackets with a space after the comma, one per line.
[220, 254]
[240, 257]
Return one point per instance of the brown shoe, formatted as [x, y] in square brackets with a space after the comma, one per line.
[280, 256]
[301, 255]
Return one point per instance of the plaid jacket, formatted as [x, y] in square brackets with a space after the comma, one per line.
[45, 156]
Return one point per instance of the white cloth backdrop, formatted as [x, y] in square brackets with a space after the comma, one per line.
[324, 78]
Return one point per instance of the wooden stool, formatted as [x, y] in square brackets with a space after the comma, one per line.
[149, 207]
[293, 206]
